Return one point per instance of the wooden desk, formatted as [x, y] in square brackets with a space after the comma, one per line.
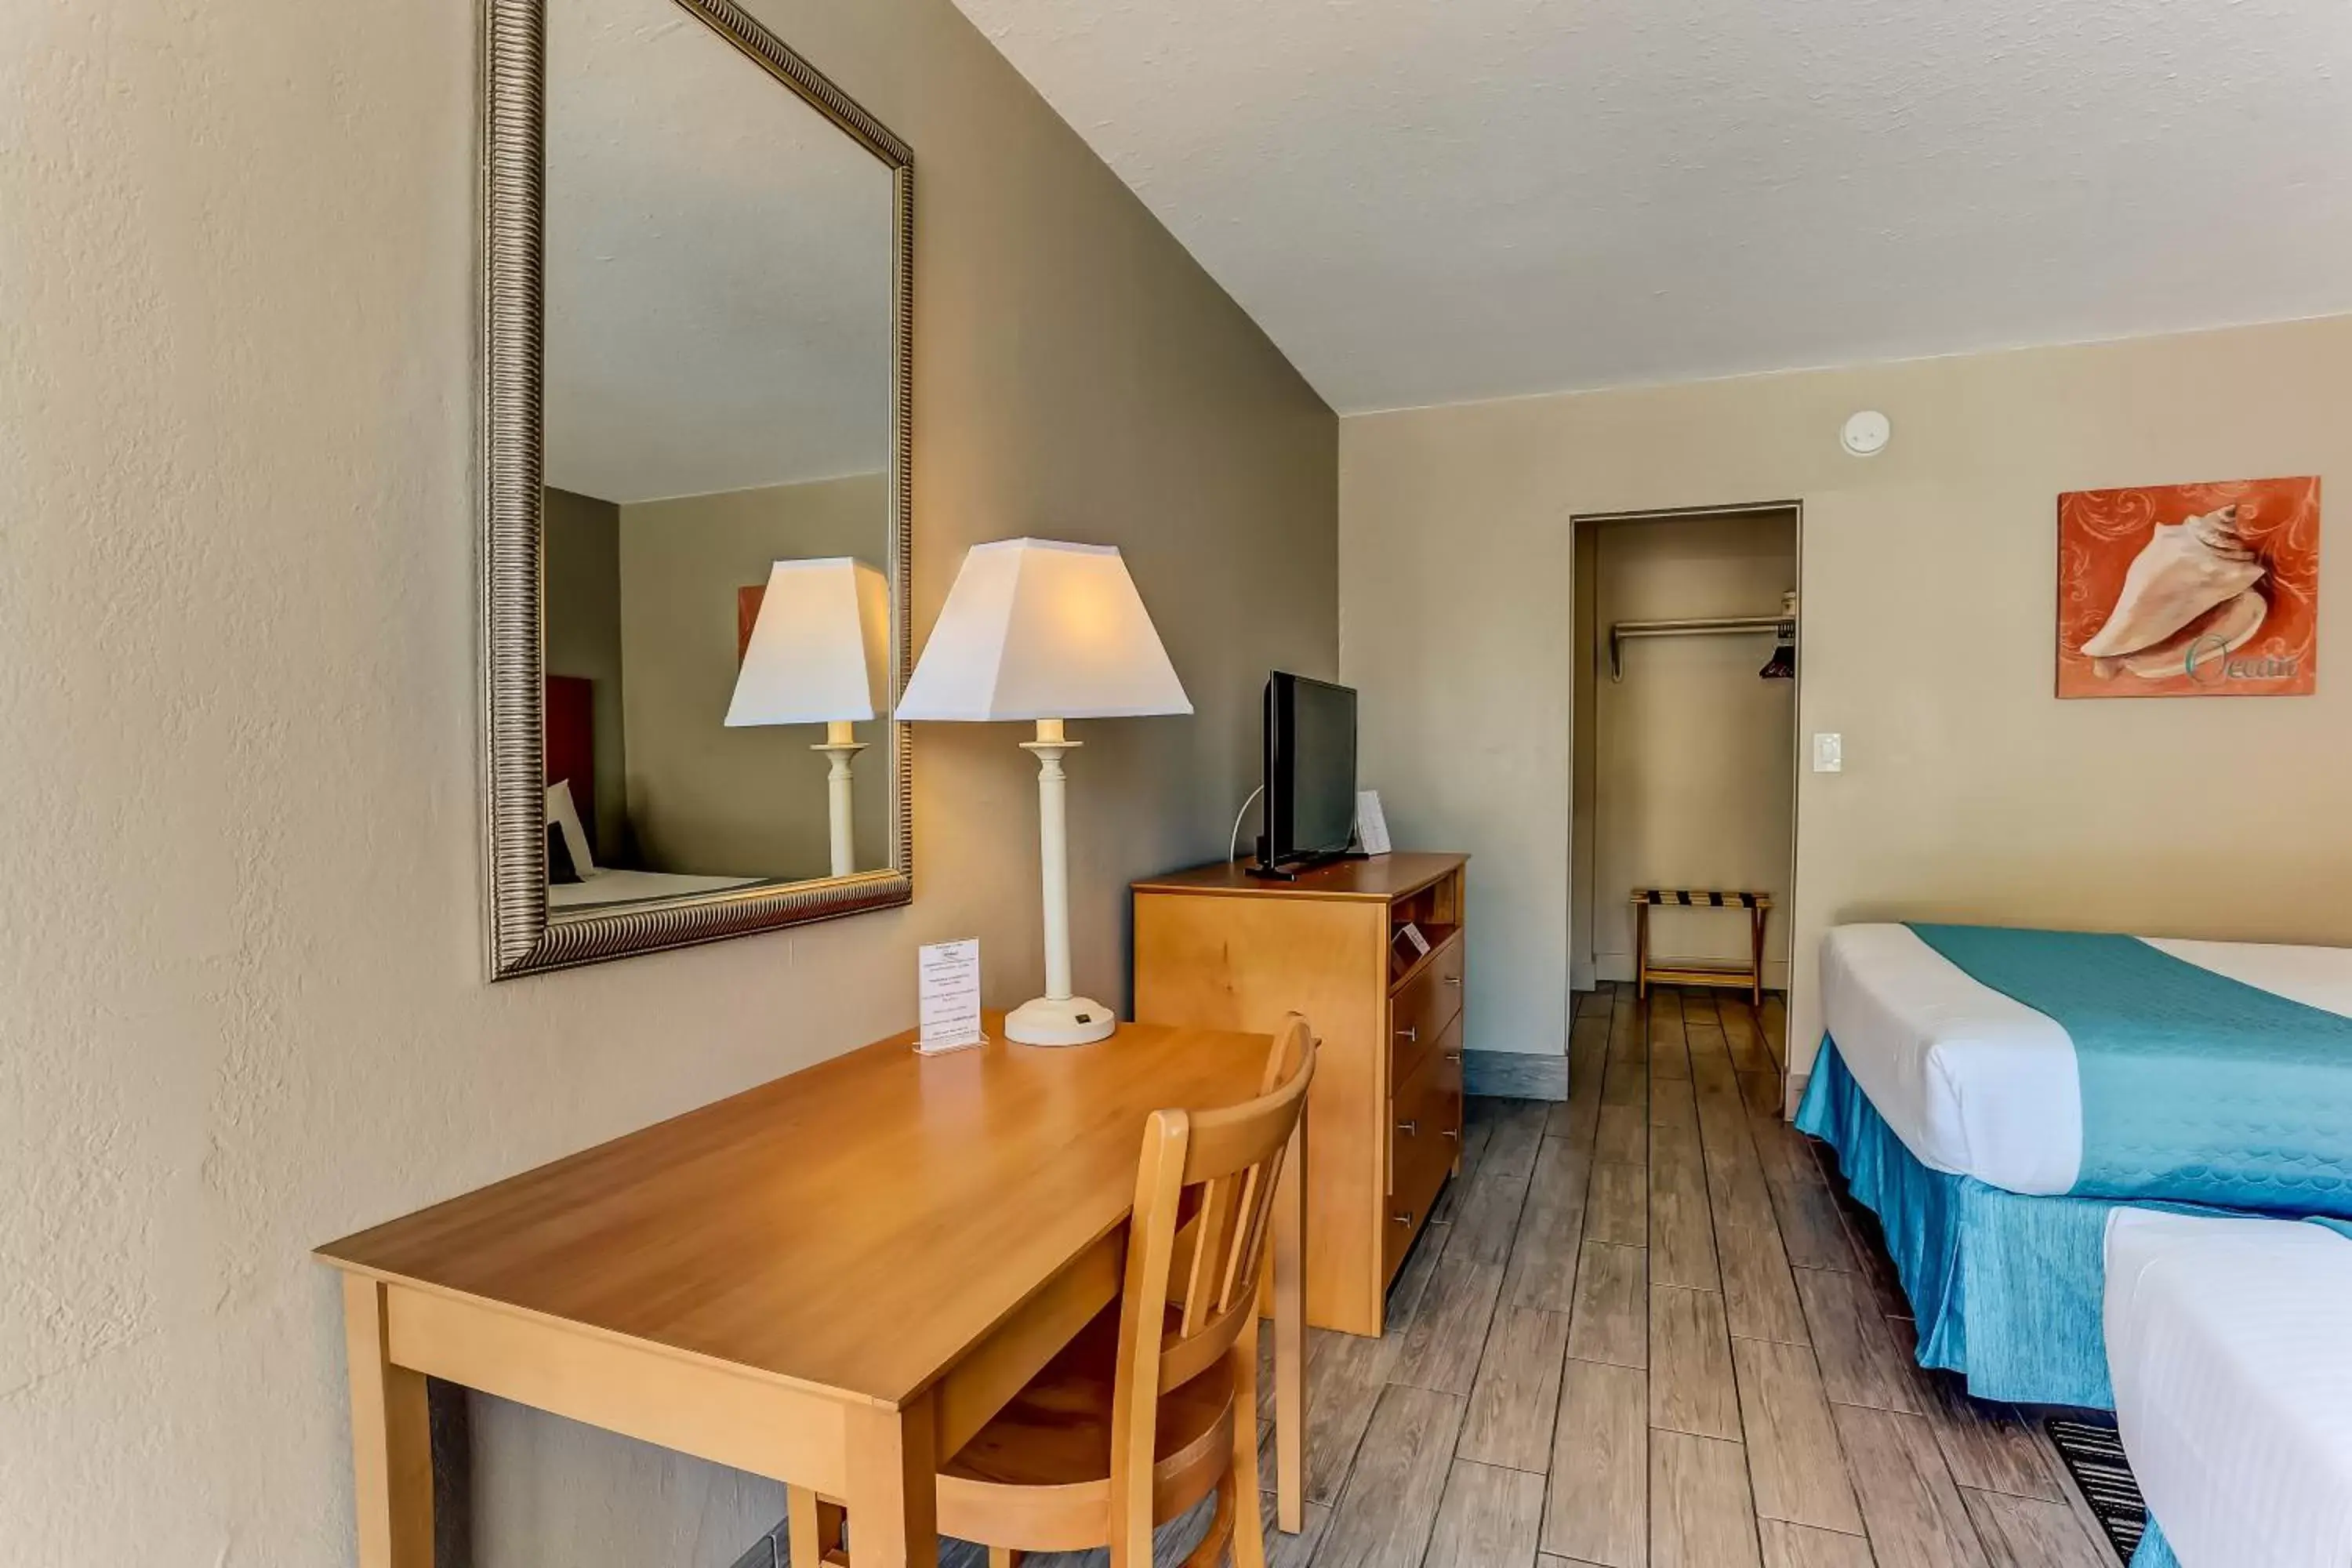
[833, 1279]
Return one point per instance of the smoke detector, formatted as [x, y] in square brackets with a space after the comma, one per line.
[1866, 433]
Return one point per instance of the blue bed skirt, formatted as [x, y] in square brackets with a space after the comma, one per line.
[2153, 1551]
[2008, 1290]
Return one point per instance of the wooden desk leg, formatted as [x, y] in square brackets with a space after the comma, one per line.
[812, 1528]
[392, 1439]
[1290, 1339]
[893, 1499]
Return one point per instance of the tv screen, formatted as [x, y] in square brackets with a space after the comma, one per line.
[1310, 767]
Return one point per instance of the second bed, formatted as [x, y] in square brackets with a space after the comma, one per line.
[2234, 1387]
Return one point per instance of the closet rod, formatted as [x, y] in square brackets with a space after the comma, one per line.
[1696, 627]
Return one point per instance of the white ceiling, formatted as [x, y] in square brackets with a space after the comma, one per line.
[1428, 201]
[717, 267]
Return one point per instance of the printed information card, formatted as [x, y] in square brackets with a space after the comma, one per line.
[948, 975]
[1371, 822]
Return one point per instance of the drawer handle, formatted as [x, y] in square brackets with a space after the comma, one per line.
[1410, 1129]
[1454, 1056]
[1448, 1132]
[1412, 1036]
[1404, 1220]
[1453, 980]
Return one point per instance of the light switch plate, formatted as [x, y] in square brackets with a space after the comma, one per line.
[1829, 753]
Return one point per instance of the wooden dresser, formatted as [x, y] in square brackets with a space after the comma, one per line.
[1215, 948]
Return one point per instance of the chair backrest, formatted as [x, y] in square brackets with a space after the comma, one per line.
[1196, 1251]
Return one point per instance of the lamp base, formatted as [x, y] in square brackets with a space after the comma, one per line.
[1072, 1021]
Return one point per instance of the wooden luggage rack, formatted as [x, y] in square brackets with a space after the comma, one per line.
[1648, 972]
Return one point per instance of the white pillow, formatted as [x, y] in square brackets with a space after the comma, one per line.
[565, 819]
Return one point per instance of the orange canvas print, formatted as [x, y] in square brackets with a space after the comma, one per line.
[2189, 590]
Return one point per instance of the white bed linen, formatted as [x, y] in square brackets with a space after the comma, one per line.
[2315, 976]
[1978, 1084]
[608, 886]
[2230, 1342]
[1974, 1083]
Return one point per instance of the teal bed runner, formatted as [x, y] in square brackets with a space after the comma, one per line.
[2196, 1088]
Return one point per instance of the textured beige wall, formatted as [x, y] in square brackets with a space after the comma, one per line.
[241, 1008]
[704, 798]
[1694, 782]
[1930, 587]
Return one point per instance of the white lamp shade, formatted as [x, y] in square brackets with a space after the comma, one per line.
[820, 650]
[1034, 628]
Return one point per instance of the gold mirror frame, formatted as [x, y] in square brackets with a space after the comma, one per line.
[523, 940]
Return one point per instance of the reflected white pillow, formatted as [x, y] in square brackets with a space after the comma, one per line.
[564, 819]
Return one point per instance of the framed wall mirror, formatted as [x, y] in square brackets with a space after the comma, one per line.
[699, 256]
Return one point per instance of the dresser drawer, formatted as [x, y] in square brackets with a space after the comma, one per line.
[1425, 1138]
[1420, 1013]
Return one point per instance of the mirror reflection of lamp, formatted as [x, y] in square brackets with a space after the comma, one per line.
[819, 654]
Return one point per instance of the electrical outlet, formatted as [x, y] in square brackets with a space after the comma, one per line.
[1829, 753]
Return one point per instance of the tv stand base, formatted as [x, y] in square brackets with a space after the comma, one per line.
[1291, 871]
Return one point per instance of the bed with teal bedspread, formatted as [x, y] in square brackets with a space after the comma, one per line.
[2196, 1088]
[2198, 1092]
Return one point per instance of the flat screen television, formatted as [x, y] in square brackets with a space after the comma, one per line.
[1310, 771]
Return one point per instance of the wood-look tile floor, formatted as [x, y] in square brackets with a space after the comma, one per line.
[1644, 1329]
[1689, 1349]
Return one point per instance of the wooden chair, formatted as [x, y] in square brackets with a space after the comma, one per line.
[1154, 1405]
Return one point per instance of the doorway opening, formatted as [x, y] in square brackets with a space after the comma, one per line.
[1684, 759]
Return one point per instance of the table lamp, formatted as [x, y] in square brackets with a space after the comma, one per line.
[1036, 629]
[819, 655]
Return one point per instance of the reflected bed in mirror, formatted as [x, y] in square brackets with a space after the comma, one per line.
[716, 544]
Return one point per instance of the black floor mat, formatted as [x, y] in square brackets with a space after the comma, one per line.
[2095, 1457]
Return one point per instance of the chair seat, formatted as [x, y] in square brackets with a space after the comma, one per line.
[1038, 1477]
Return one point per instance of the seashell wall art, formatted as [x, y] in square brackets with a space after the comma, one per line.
[2189, 590]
